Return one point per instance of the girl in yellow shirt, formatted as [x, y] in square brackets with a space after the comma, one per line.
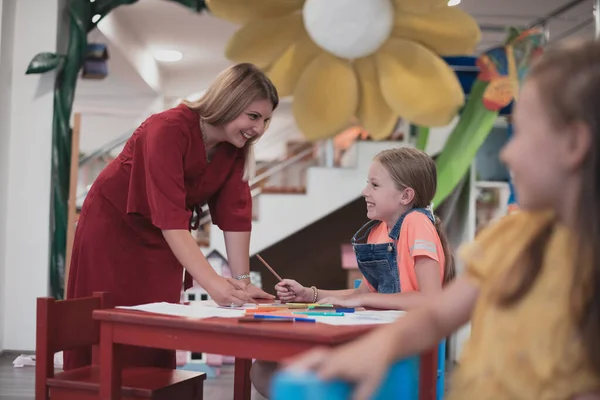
[532, 282]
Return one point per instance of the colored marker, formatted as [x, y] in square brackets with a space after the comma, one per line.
[324, 314]
[335, 309]
[295, 319]
[251, 319]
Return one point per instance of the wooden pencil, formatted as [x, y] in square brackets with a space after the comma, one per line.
[269, 267]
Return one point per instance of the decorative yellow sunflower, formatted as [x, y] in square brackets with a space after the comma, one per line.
[342, 60]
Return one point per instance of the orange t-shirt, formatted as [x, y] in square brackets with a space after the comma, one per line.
[418, 237]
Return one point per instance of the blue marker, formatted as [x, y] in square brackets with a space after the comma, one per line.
[324, 314]
[345, 310]
[296, 319]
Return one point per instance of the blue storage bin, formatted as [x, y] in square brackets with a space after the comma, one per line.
[441, 376]
[401, 383]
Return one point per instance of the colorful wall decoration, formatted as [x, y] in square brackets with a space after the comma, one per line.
[502, 70]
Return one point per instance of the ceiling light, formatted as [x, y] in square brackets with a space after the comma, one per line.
[96, 18]
[167, 55]
[452, 3]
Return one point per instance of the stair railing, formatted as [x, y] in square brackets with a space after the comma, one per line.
[271, 170]
[255, 188]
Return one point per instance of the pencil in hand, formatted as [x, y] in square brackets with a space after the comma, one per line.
[266, 264]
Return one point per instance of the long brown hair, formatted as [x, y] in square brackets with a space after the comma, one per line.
[228, 96]
[412, 168]
[568, 79]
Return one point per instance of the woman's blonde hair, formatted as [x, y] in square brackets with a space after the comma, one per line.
[412, 168]
[229, 95]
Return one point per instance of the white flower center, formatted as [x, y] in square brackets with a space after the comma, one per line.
[349, 28]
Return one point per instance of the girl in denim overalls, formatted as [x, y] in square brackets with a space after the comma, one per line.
[402, 252]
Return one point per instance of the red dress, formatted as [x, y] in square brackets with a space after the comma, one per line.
[157, 181]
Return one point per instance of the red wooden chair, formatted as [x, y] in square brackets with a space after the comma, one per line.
[68, 324]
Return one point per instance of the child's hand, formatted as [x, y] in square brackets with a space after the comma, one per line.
[344, 301]
[341, 363]
[290, 291]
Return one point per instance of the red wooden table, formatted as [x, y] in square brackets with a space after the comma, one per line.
[227, 336]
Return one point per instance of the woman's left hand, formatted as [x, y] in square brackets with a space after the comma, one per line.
[257, 293]
[344, 301]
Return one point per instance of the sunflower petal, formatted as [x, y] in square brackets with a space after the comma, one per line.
[262, 42]
[243, 11]
[286, 71]
[418, 6]
[325, 98]
[417, 84]
[373, 112]
[448, 31]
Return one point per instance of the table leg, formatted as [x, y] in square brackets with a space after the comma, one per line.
[428, 375]
[242, 385]
[110, 364]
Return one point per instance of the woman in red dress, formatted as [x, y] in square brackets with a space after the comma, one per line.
[133, 235]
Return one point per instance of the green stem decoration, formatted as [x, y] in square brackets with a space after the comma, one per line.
[67, 71]
[475, 123]
[422, 138]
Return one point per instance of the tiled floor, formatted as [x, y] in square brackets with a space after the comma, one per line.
[18, 383]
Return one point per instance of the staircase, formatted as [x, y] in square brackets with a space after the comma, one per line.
[279, 215]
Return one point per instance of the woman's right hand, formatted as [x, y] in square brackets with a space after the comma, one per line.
[227, 292]
[290, 291]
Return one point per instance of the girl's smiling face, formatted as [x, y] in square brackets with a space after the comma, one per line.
[385, 202]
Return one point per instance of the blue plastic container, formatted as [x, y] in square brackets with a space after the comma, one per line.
[401, 383]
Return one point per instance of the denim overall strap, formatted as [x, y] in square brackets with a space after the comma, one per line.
[378, 262]
[395, 231]
[362, 234]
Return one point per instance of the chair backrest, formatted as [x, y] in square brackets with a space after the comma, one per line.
[64, 325]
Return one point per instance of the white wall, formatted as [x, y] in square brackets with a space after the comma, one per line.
[26, 169]
[7, 8]
[99, 129]
[132, 48]
[101, 125]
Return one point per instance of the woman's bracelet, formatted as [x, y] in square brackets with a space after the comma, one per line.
[241, 277]
[315, 294]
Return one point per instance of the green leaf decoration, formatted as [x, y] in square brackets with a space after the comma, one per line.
[462, 145]
[44, 62]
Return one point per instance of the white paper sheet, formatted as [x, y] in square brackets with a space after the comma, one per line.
[362, 318]
[193, 310]
[208, 309]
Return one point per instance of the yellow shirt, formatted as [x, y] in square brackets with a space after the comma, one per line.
[531, 350]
